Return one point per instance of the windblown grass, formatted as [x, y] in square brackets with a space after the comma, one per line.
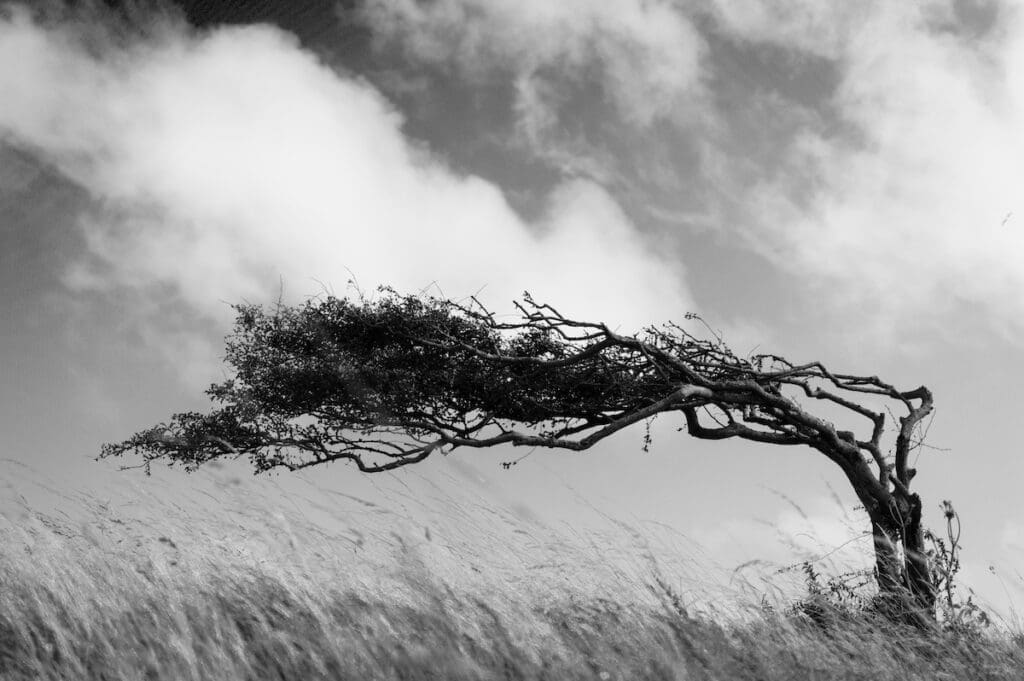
[109, 599]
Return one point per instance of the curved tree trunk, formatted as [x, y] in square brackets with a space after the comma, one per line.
[902, 568]
[901, 561]
[446, 384]
[888, 568]
[919, 573]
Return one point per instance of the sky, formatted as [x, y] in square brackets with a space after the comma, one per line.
[824, 180]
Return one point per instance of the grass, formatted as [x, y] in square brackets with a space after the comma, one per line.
[178, 595]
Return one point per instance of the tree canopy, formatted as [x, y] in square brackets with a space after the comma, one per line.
[387, 381]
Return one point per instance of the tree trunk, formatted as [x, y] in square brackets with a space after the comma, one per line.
[901, 561]
[902, 567]
[918, 569]
[888, 568]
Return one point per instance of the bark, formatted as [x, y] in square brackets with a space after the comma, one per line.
[903, 572]
[386, 382]
[887, 558]
[902, 566]
[919, 574]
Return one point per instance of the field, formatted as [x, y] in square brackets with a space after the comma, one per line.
[216, 584]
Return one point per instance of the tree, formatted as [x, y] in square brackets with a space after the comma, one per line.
[387, 382]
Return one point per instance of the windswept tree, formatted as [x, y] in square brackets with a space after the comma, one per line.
[387, 382]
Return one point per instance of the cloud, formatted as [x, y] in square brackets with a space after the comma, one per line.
[222, 161]
[908, 207]
[645, 54]
[812, 26]
[874, 156]
[219, 162]
[580, 87]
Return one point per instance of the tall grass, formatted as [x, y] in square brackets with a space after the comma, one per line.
[178, 595]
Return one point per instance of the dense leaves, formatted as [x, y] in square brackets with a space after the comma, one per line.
[332, 373]
[386, 382]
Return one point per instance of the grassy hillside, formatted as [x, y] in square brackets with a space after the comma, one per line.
[177, 592]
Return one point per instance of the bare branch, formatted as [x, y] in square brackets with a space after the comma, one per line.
[384, 383]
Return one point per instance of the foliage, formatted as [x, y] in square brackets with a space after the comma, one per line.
[386, 382]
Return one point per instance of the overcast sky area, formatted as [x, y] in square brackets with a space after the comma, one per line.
[824, 180]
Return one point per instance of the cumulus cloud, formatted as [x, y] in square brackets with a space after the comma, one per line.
[812, 26]
[910, 206]
[585, 84]
[646, 54]
[220, 162]
[889, 180]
